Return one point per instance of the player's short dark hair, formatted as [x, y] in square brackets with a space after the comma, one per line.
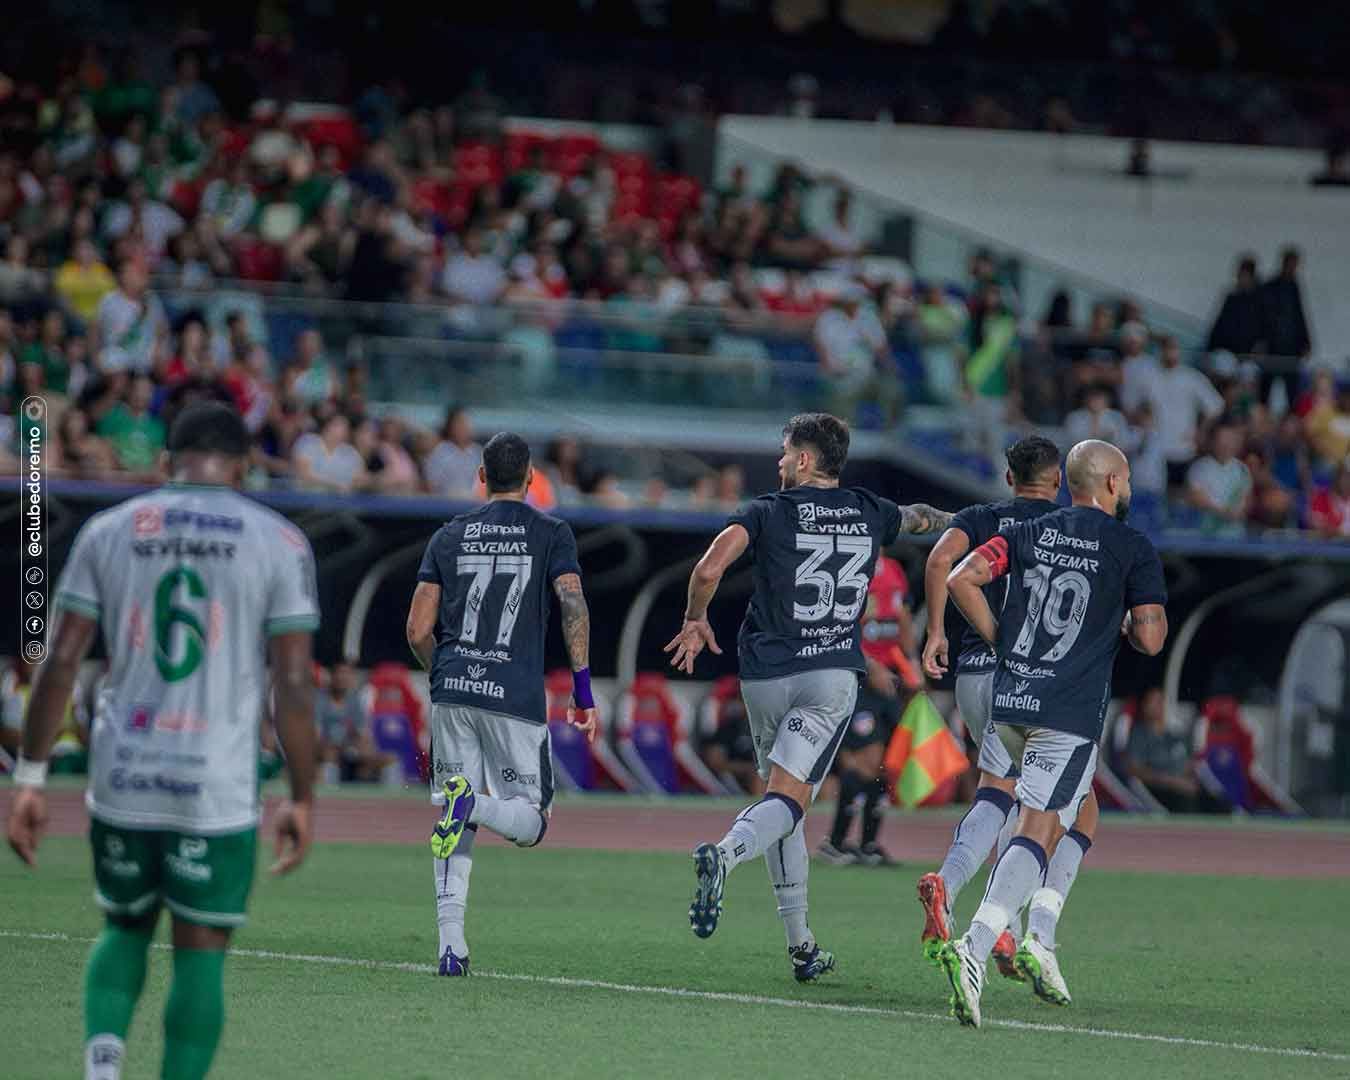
[208, 427]
[825, 434]
[506, 460]
[1029, 457]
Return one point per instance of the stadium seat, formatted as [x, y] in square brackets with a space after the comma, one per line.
[1227, 765]
[396, 718]
[653, 740]
[577, 765]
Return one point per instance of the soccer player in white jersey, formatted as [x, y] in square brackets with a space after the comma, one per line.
[187, 583]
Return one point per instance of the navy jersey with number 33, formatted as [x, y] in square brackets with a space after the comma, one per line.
[1072, 575]
[496, 566]
[825, 543]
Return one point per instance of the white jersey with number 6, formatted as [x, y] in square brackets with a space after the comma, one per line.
[187, 583]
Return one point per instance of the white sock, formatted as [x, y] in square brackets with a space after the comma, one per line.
[103, 1056]
[1005, 836]
[517, 819]
[1048, 901]
[452, 896]
[758, 826]
[1016, 876]
[975, 836]
[789, 865]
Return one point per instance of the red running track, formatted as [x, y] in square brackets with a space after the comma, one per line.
[913, 839]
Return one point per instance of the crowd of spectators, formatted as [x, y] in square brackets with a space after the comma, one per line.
[124, 190]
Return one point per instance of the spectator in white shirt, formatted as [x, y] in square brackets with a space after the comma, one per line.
[451, 469]
[471, 275]
[130, 329]
[328, 461]
[855, 356]
[1137, 366]
[1097, 420]
[1182, 398]
[1219, 485]
[159, 223]
[842, 241]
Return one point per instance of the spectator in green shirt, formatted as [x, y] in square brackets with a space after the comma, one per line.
[136, 437]
[49, 353]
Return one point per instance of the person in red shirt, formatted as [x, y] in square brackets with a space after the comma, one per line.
[1329, 507]
[888, 645]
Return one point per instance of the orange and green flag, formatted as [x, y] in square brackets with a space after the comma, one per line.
[923, 753]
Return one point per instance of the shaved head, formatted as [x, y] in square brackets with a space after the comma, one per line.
[1089, 463]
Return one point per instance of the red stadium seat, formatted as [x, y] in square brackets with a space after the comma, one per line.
[592, 767]
[1227, 763]
[653, 740]
[394, 702]
[260, 262]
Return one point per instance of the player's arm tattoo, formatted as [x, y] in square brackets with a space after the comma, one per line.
[1144, 618]
[576, 619]
[922, 518]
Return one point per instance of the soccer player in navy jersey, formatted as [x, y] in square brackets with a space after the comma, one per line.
[814, 546]
[1034, 475]
[1079, 579]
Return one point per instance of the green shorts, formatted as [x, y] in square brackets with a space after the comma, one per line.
[201, 879]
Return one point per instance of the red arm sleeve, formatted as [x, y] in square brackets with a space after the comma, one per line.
[995, 553]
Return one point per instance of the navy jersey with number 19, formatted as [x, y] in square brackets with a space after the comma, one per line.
[496, 566]
[1072, 575]
[814, 551]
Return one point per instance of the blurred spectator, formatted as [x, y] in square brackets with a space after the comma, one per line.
[1272, 506]
[228, 203]
[346, 748]
[84, 280]
[1337, 171]
[1097, 420]
[451, 469]
[601, 486]
[852, 347]
[1218, 484]
[314, 378]
[730, 486]
[394, 470]
[130, 329]
[473, 276]
[1327, 423]
[1181, 398]
[942, 333]
[841, 239]
[76, 452]
[1285, 329]
[1160, 759]
[189, 98]
[327, 461]
[1329, 507]
[1240, 325]
[19, 281]
[1288, 454]
[726, 745]
[192, 358]
[136, 437]
[49, 352]
[563, 462]
[149, 222]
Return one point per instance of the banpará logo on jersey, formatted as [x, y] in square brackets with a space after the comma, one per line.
[1018, 698]
[474, 682]
[1004, 523]
[816, 512]
[1054, 538]
[198, 520]
[797, 726]
[147, 521]
[475, 529]
[511, 776]
[142, 719]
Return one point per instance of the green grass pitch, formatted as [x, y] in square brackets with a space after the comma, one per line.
[1241, 963]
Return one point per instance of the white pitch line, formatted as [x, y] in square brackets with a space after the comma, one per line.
[721, 995]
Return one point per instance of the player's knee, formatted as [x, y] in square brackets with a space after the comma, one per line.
[136, 924]
[538, 837]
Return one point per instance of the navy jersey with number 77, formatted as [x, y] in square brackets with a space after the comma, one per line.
[814, 551]
[1072, 575]
[496, 566]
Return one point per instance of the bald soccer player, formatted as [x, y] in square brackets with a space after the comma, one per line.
[1078, 580]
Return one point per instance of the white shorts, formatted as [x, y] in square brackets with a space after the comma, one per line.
[798, 722]
[502, 755]
[1053, 769]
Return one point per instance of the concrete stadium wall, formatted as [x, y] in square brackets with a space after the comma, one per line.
[1064, 201]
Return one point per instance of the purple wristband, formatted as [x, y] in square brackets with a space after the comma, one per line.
[581, 689]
